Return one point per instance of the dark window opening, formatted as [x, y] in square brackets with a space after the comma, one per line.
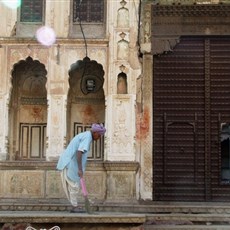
[89, 11]
[31, 11]
[32, 141]
[225, 153]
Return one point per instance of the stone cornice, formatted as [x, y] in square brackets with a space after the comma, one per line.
[31, 165]
[51, 165]
[191, 10]
[121, 166]
[69, 41]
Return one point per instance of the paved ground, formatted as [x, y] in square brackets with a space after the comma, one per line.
[63, 220]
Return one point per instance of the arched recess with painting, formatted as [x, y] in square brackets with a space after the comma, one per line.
[86, 102]
[28, 111]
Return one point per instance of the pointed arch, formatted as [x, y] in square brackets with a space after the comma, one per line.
[28, 110]
[86, 103]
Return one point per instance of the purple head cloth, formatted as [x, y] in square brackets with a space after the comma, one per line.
[99, 128]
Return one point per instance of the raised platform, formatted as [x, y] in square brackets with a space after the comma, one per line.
[148, 215]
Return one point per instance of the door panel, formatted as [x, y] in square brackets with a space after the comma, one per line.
[220, 114]
[32, 141]
[191, 100]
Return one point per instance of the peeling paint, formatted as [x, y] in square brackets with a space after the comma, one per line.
[143, 123]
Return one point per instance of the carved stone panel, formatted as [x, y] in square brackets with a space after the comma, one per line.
[54, 187]
[23, 184]
[96, 184]
[122, 144]
[121, 181]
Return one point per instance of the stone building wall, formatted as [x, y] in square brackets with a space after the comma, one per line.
[32, 181]
[123, 47]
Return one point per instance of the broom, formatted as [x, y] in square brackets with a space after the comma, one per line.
[85, 194]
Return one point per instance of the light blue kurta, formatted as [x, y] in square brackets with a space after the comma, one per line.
[68, 158]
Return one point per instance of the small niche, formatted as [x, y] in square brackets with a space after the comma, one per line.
[123, 16]
[122, 83]
[123, 48]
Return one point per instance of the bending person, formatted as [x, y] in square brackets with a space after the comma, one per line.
[72, 162]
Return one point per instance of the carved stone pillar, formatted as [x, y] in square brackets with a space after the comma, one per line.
[3, 107]
[56, 126]
[144, 111]
[8, 19]
[3, 128]
[121, 128]
[121, 181]
[145, 126]
[57, 16]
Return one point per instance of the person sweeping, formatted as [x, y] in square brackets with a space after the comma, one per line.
[72, 163]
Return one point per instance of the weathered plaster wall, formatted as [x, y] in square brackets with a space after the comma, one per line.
[116, 51]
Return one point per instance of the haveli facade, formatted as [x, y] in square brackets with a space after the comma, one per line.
[45, 101]
[107, 65]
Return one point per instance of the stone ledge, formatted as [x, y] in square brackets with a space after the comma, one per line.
[27, 165]
[121, 166]
[66, 217]
[192, 227]
[197, 218]
[101, 206]
[68, 41]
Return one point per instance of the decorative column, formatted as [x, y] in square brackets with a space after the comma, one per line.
[57, 98]
[8, 20]
[57, 16]
[144, 112]
[56, 126]
[120, 153]
[3, 127]
[3, 107]
[120, 117]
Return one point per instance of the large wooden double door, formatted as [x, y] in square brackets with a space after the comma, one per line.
[191, 121]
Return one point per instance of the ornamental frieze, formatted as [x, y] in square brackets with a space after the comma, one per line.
[191, 10]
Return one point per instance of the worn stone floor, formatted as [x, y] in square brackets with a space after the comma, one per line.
[167, 215]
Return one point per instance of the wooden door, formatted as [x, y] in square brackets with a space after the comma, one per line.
[191, 105]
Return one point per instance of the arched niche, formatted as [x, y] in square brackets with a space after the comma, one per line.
[86, 101]
[28, 111]
[123, 16]
[122, 86]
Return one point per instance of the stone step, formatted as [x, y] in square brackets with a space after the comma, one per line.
[168, 208]
[194, 218]
[187, 221]
[121, 220]
[67, 217]
[143, 216]
[185, 227]
[151, 207]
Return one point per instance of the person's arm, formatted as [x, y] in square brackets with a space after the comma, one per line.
[79, 163]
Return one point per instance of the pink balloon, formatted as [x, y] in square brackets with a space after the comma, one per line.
[46, 36]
